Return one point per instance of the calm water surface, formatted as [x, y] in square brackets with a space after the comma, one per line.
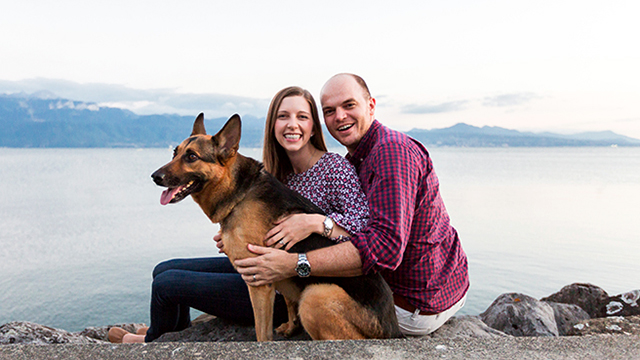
[81, 229]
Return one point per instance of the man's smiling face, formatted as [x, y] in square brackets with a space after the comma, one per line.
[348, 111]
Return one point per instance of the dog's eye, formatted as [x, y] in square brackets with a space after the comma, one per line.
[191, 157]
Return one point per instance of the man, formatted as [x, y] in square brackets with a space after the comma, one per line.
[409, 239]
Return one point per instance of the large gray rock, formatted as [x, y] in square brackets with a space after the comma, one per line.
[23, 332]
[466, 326]
[621, 305]
[610, 325]
[567, 315]
[520, 315]
[589, 297]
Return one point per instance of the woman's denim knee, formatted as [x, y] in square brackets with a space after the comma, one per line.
[162, 267]
[165, 285]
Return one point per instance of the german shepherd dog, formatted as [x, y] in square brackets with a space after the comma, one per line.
[236, 192]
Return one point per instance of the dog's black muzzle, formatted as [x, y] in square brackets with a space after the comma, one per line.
[158, 177]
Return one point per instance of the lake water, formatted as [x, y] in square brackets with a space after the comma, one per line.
[81, 229]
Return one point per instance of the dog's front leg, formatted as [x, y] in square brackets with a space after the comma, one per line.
[262, 300]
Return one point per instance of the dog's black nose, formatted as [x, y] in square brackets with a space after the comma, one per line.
[158, 177]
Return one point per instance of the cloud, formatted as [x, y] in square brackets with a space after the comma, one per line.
[74, 105]
[435, 109]
[142, 102]
[506, 100]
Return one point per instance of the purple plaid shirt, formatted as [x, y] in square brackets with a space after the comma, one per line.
[409, 239]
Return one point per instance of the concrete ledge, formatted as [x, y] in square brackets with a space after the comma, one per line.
[584, 347]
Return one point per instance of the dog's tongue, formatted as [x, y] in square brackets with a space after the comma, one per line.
[168, 194]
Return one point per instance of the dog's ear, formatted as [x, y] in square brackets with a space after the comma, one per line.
[228, 139]
[198, 126]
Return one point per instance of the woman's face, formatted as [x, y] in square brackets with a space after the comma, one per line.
[294, 125]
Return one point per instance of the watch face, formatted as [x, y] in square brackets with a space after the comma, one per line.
[303, 269]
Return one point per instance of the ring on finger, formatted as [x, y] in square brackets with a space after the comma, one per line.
[254, 277]
[281, 242]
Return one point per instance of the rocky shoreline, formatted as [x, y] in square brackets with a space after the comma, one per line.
[576, 310]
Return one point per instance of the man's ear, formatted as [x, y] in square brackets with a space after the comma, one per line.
[228, 138]
[198, 126]
[372, 107]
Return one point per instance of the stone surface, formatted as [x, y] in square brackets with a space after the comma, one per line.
[465, 326]
[621, 305]
[22, 332]
[216, 329]
[609, 347]
[567, 315]
[589, 297]
[610, 325]
[563, 313]
[209, 328]
[101, 332]
[520, 315]
[202, 319]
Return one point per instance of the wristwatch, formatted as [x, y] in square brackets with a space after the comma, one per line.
[328, 227]
[303, 268]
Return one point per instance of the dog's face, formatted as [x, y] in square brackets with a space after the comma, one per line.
[199, 161]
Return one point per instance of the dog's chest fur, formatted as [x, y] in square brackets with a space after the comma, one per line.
[242, 227]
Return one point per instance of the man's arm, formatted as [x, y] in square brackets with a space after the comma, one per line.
[338, 260]
[274, 265]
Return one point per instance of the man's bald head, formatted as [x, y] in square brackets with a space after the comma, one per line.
[359, 80]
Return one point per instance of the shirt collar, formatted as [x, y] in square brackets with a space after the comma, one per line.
[366, 144]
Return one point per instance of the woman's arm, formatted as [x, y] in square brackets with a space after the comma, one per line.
[341, 198]
[294, 228]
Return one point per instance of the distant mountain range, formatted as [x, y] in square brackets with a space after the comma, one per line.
[43, 120]
[487, 136]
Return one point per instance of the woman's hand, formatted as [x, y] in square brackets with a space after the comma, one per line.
[218, 239]
[293, 228]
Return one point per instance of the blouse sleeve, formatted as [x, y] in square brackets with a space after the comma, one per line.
[347, 202]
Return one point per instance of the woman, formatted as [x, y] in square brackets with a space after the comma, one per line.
[294, 152]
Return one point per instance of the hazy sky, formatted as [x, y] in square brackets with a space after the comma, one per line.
[529, 65]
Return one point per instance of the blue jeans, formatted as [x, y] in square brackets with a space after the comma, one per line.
[210, 285]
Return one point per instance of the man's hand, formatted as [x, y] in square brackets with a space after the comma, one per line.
[271, 265]
[218, 239]
[293, 228]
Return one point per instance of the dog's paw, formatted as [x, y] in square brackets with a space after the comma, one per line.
[288, 329]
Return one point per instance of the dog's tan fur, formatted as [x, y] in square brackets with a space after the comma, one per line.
[237, 193]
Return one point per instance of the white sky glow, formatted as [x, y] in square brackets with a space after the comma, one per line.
[527, 65]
